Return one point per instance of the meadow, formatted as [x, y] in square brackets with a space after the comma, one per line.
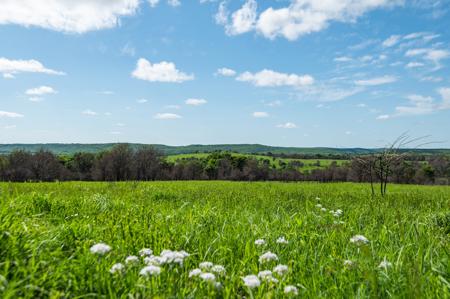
[223, 240]
[275, 162]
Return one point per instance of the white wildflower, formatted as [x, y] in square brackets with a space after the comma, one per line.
[260, 242]
[265, 275]
[323, 209]
[150, 271]
[132, 259]
[282, 240]
[218, 269]
[318, 205]
[145, 252]
[385, 264]
[154, 260]
[169, 256]
[290, 290]
[338, 222]
[359, 240]
[195, 272]
[338, 213]
[208, 277]
[117, 268]
[281, 269]
[267, 257]
[206, 265]
[100, 248]
[251, 281]
[317, 198]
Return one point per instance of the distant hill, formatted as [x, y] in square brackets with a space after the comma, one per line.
[60, 148]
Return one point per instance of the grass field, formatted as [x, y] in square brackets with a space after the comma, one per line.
[308, 164]
[47, 231]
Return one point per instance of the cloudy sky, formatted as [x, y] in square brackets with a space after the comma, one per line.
[340, 73]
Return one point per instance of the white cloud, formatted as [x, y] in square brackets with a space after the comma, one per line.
[414, 65]
[269, 78]
[159, 72]
[115, 133]
[106, 92]
[431, 54]
[299, 18]
[89, 112]
[10, 114]
[421, 105]
[41, 90]
[167, 116]
[196, 102]
[287, 125]
[383, 117]
[343, 59]
[260, 114]
[67, 15]
[431, 79]
[242, 20]
[276, 103]
[153, 3]
[221, 16]
[376, 81]
[9, 127]
[142, 101]
[391, 41]
[8, 76]
[226, 72]
[10, 67]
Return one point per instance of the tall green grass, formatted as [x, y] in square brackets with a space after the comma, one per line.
[47, 229]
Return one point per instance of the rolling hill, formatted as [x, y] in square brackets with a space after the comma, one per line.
[60, 148]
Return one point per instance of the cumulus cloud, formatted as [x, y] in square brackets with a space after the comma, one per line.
[376, 81]
[10, 67]
[142, 101]
[244, 19]
[159, 72]
[287, 125]
[196, 102]
[269, 78]
[300, 17]
[67, 15]
[167, 116]
[39, 91]
[226, 72]
[260, 114]
[10, 114]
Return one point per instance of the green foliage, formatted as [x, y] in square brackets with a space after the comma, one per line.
[47, 229]
[59, 148]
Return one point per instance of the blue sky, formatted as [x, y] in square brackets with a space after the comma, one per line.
[291, 73]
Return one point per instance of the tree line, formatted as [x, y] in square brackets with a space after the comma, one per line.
[123, 163]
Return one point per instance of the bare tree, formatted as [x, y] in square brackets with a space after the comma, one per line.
[380, 163]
